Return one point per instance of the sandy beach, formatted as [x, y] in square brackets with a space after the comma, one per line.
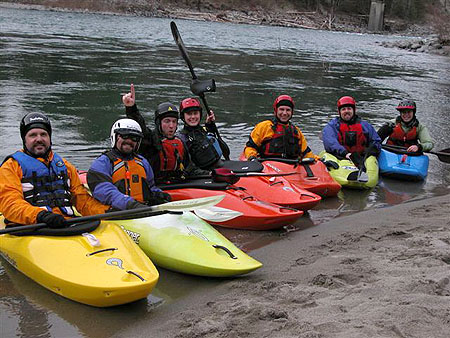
[379, 273]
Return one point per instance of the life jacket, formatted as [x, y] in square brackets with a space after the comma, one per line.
[203, 147]
[171, 155]
[129, 177]
[284, 142]
[400, 138]
[352, 137]
[45, 187]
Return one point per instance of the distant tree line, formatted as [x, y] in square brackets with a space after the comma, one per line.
[404, 9]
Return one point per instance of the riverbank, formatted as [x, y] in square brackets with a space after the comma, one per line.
[428, 41]
[380, 273]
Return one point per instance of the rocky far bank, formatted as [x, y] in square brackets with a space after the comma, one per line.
[428, 41]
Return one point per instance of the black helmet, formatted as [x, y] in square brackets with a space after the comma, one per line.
[165, 109]
[34, 120]
[406, 104]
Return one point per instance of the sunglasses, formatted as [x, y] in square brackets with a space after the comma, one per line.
[133, 138]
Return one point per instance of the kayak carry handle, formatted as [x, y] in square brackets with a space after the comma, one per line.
[136, 274]
[99, 251]
[216, 246]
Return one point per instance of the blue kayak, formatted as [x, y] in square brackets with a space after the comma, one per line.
[403, 165]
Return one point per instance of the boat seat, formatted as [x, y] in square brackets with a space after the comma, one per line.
[243, 166]
[196, 184]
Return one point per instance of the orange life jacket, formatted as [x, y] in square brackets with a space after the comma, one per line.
[400, 138]
[130, 177]
[352, 137]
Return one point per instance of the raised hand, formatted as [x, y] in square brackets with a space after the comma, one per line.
[129, 99]
[210, 117]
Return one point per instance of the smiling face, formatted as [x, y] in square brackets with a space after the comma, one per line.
[126, 144]
[169, 126]
[192, 118]
[347, 113]
[284, 113]
[407, 115]
[37, 141]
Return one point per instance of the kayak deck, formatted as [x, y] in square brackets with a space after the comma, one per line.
[114, 272]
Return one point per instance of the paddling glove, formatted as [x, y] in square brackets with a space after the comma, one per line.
[133, 204]
[252, 158]
[159, 197]
[54, 221]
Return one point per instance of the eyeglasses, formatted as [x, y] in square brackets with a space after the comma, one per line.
[131, 137]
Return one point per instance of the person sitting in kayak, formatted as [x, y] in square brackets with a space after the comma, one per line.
[166, 152]
[278, 137]
[120, 177]
[348, 136]
[39, 186]
[406, 131]
[204, 149]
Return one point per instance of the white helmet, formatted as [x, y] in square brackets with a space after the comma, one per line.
[125, 127]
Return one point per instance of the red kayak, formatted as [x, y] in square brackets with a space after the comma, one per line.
[310, 174]
[273, 189]
[238, 210]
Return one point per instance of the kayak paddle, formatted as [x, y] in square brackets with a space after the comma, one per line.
[443, 155]
[183, 205]
[199, 87]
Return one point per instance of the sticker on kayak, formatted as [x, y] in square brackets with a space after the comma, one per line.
[217, 214]
[134, 235]
[197, 233]
[273, 167]
[349, 167]
[115, 262]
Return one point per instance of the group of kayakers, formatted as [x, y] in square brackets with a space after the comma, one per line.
[37, 185]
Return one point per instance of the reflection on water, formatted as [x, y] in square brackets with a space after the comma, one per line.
[75, 66]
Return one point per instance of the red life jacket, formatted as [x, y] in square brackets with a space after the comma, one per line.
[283, 143]
[130, 177]
[171, 155]
[400, 138]
[352, 137]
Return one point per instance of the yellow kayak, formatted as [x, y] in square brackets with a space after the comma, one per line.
[99, 268]
[345, 172]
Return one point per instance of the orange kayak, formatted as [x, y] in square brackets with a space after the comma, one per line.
[310, 175]
[238, 210]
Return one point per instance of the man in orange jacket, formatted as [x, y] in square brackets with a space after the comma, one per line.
[39, 186]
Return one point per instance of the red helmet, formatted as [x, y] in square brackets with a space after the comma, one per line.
[346, 101]
[283, 100]
[190, 104]
[406, 104]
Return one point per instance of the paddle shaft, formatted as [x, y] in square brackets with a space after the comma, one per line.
[183, 205]
[443, 155]
[249, 174]
[184, 54]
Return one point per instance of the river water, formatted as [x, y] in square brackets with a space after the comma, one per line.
[74, 67]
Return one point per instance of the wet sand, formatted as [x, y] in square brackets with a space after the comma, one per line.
[379, 273]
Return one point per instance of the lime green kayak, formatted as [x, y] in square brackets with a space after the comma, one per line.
[185, 243]
[347, 174]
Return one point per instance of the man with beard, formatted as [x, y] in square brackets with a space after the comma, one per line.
[39, 186]
[406, 131]
[120, 177]
[348, 136]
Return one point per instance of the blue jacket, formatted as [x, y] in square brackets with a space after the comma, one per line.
[331, 143]
[102, 187]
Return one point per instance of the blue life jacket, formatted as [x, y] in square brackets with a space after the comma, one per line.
[46, 187]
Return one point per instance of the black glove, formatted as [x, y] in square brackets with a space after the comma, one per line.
[133, 204]
[159, 197]
[54, 221]
[252, 158]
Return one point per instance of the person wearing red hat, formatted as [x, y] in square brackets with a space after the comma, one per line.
[406, 131]
[278, 137]
[348, 136]
[39, 186]
[203, 146]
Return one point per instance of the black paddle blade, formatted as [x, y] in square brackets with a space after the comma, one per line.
[198, 87]
[177, 37]
[443, 155]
